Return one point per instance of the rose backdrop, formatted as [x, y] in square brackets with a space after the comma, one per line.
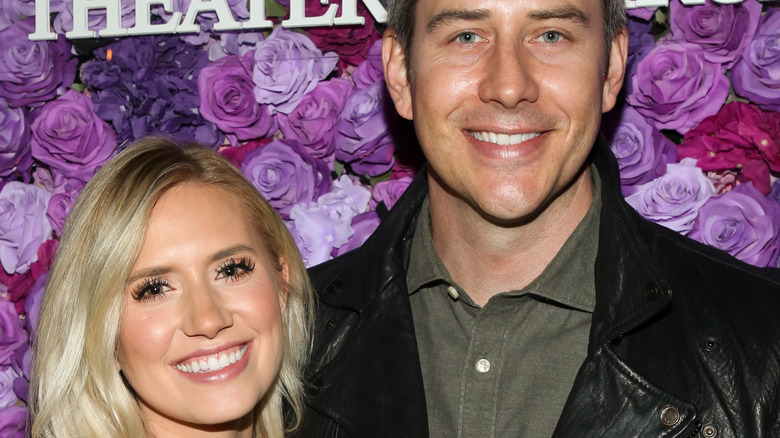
[306, 118]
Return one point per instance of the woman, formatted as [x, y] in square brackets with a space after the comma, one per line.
[177, 305]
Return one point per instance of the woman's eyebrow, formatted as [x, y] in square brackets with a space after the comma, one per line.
[233, 250]
[449, 15]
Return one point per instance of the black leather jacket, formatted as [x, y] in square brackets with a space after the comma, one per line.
[685, 340]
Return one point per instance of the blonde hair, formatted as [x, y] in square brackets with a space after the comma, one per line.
[76, 389]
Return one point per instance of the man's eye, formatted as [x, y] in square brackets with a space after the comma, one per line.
[551, 36]
[468, 38]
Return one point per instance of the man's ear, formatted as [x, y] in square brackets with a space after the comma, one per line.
[396, 76]
[616, 70]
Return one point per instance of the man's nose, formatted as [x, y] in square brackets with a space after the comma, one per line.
[206, 315]
[509, 77]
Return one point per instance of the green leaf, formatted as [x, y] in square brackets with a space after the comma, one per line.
[273, 9]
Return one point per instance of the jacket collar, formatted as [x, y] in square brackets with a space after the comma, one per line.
[629, 287]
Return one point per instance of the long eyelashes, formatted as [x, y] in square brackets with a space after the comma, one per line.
[231, 270]
[151, 289]
[235, 269]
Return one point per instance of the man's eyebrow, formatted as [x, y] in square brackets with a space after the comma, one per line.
[450, 15]
[567, 13]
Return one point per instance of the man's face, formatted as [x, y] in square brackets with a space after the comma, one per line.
[506, 97]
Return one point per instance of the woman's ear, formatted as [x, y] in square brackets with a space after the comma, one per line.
[396, 74]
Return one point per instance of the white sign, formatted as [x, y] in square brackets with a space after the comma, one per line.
[185, 23]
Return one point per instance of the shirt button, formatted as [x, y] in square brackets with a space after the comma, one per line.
[483, 365]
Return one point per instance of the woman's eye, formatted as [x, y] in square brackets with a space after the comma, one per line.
[551, 36]
[234, 269]
[151, 289]
[468, 38]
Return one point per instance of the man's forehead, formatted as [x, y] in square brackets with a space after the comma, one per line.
[436, 13]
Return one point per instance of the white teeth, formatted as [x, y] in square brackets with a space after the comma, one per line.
[212, 363]
[503, 139]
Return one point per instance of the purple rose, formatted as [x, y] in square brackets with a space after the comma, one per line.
[234, 43]
[363, 225]
[313, 121]
[677, 87]
[756, 75]
[350, 42]
[640, 42]
[673, 199]
[642, 13]
[775, 193]
[362, 136]
[15, 157]
[32, 72]
[641, 150]
[318, 228]
[388, 192]
[287, 66]
[13, 420]
[60, 204]
[722, 31]
[23, 225]
[150, 85]
[9, 13]
[285, 174]
[7, 395]
[12, 335]
[226, 99]
[371, 69]
[22, 366]
[70, 138]
[742, 222]
[32, 304]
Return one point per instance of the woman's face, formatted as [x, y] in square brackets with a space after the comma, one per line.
[200, 340]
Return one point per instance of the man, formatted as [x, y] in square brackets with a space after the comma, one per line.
[512, 291]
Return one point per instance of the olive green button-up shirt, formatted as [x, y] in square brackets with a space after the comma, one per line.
[505, 369]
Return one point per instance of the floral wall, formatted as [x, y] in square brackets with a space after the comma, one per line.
[305, 115]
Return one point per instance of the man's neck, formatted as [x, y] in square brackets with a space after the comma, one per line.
[487, 258]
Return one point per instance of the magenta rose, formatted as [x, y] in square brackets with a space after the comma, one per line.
[70, 138]
[23, 225]
[313, 121]
[676, 87]
[285, 174]
[15, 157]
[226, 99]
[673, 199]
[641, 150]
[742, 222]
[362, 138]
[721, 30]
[13, 420]
[32, 72]
[350, 42]
[740, 137]
[388, 192]
[12, 334]
[287, 66]
[756, 75]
